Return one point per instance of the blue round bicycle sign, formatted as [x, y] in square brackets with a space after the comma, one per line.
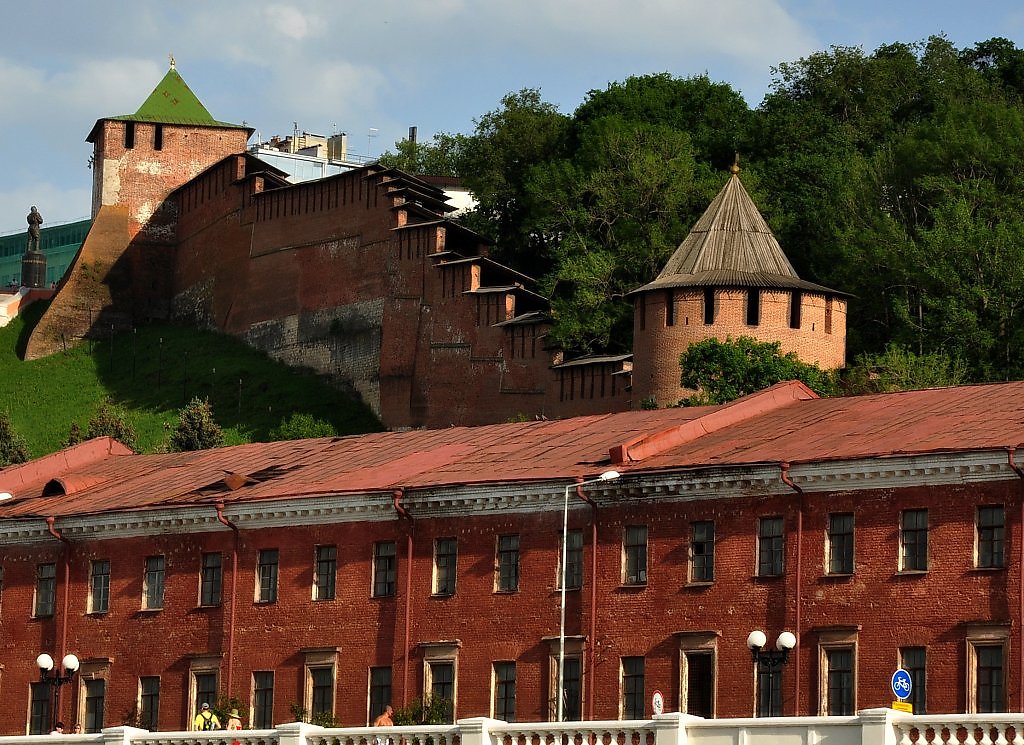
[901, 684]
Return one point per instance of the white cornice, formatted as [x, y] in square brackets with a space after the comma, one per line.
[637, 487]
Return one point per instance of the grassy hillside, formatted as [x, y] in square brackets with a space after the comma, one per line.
[152, 372]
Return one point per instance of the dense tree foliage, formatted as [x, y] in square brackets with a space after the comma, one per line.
[894, 175]
[197, 429]
[722, 371]
[111, 420]
[12, 445]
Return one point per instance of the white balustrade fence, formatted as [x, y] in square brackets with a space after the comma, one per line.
[868, 727]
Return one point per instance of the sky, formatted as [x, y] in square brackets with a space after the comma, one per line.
[373, 69]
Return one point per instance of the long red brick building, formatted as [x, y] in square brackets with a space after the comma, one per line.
[363, 277]
[332, 576]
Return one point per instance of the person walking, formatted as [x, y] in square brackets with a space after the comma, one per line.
[234, 721]
[384, 720]
[205, 719]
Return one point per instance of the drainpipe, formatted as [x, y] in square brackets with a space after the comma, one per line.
[67, 586]
[592, 647]
[799, 582]
[1020, 662]
[234, 587]
[396, 498]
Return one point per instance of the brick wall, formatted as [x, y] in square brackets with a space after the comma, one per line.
[886, 608]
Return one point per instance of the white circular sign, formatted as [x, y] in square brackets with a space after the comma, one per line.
[658, 703]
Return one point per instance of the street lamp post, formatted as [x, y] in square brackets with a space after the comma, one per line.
[606, 476]
[56, 680]
[768, 661]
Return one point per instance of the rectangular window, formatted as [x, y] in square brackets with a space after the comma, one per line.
[912, 659]
[442, 686]
[99, 586]
[770, 547]
[572, 689]
[263, 699]
[700, 683]
[326, 571]
[573, 561]
[445, 560]
[795, 301]
[321, 690]
[508, 564]
[39, 710]
[840, 681]
[702, 551]
[840, 543]
[709, 306]
[46, 590]
[158, 137]
[828, 314]
[266, 576]
[380, 690]
[634, 553]
[914, 540]
[153, 584]
[769, 691]
[211, 580]
[129, 135]
[670, 308]
[641, 311]
[95, 693]
[206, 689]
[753, 307]
[989, 693]
[632, 704]
[505, 691]
[149, 703]
[990, 536]
[384, 569]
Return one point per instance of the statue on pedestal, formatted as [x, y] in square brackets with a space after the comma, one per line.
[34, 221]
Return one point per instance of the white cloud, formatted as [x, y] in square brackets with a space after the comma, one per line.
[287, 20]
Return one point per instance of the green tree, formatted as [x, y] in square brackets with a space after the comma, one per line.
[74, 437]
[722, 371]
[13, 449]
[301, 426]
[111, 421]
[437, 710]
[899, 369]
[442, 156]
[197, 429]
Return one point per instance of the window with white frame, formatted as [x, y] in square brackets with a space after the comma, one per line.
[99, 586]
[326, 570]
[631, 684]
[46, 590]
[445, 562]
[266, 576]
[573, 561]
[770, 547]
[504, 691]
[204, 675]
[837, 667]
[380, 692]
[39, 709]
[914, 661]
[153, 584]
[702, 551]
[634, 555]
[210, 579]
[149, 702]
[986, 668]
[914, 541]
[384, 569]
[262, 699]
[839, 543]
[989, 537]
[698, 654]
[572, 678]
[92, 678]
[506, 577]
[440, 675]
[321, 673]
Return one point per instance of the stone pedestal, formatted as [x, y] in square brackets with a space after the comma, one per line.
[33, 269]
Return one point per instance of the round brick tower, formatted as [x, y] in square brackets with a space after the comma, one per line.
[729, 278]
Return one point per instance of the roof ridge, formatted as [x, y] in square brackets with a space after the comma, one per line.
[770, 399]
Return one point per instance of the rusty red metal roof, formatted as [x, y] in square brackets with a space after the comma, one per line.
[782, 424]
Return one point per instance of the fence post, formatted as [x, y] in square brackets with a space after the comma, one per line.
[670, 728]
[121, 735]
[294, 733]
[475, 730]
[876, 727]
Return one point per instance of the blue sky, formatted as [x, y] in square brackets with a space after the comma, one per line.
[373, 69]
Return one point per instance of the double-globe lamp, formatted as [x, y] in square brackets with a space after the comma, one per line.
[57, 679]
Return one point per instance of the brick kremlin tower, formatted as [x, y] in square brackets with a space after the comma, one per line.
[729, 278]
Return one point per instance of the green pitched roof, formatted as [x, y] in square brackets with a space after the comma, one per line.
[173, 102]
